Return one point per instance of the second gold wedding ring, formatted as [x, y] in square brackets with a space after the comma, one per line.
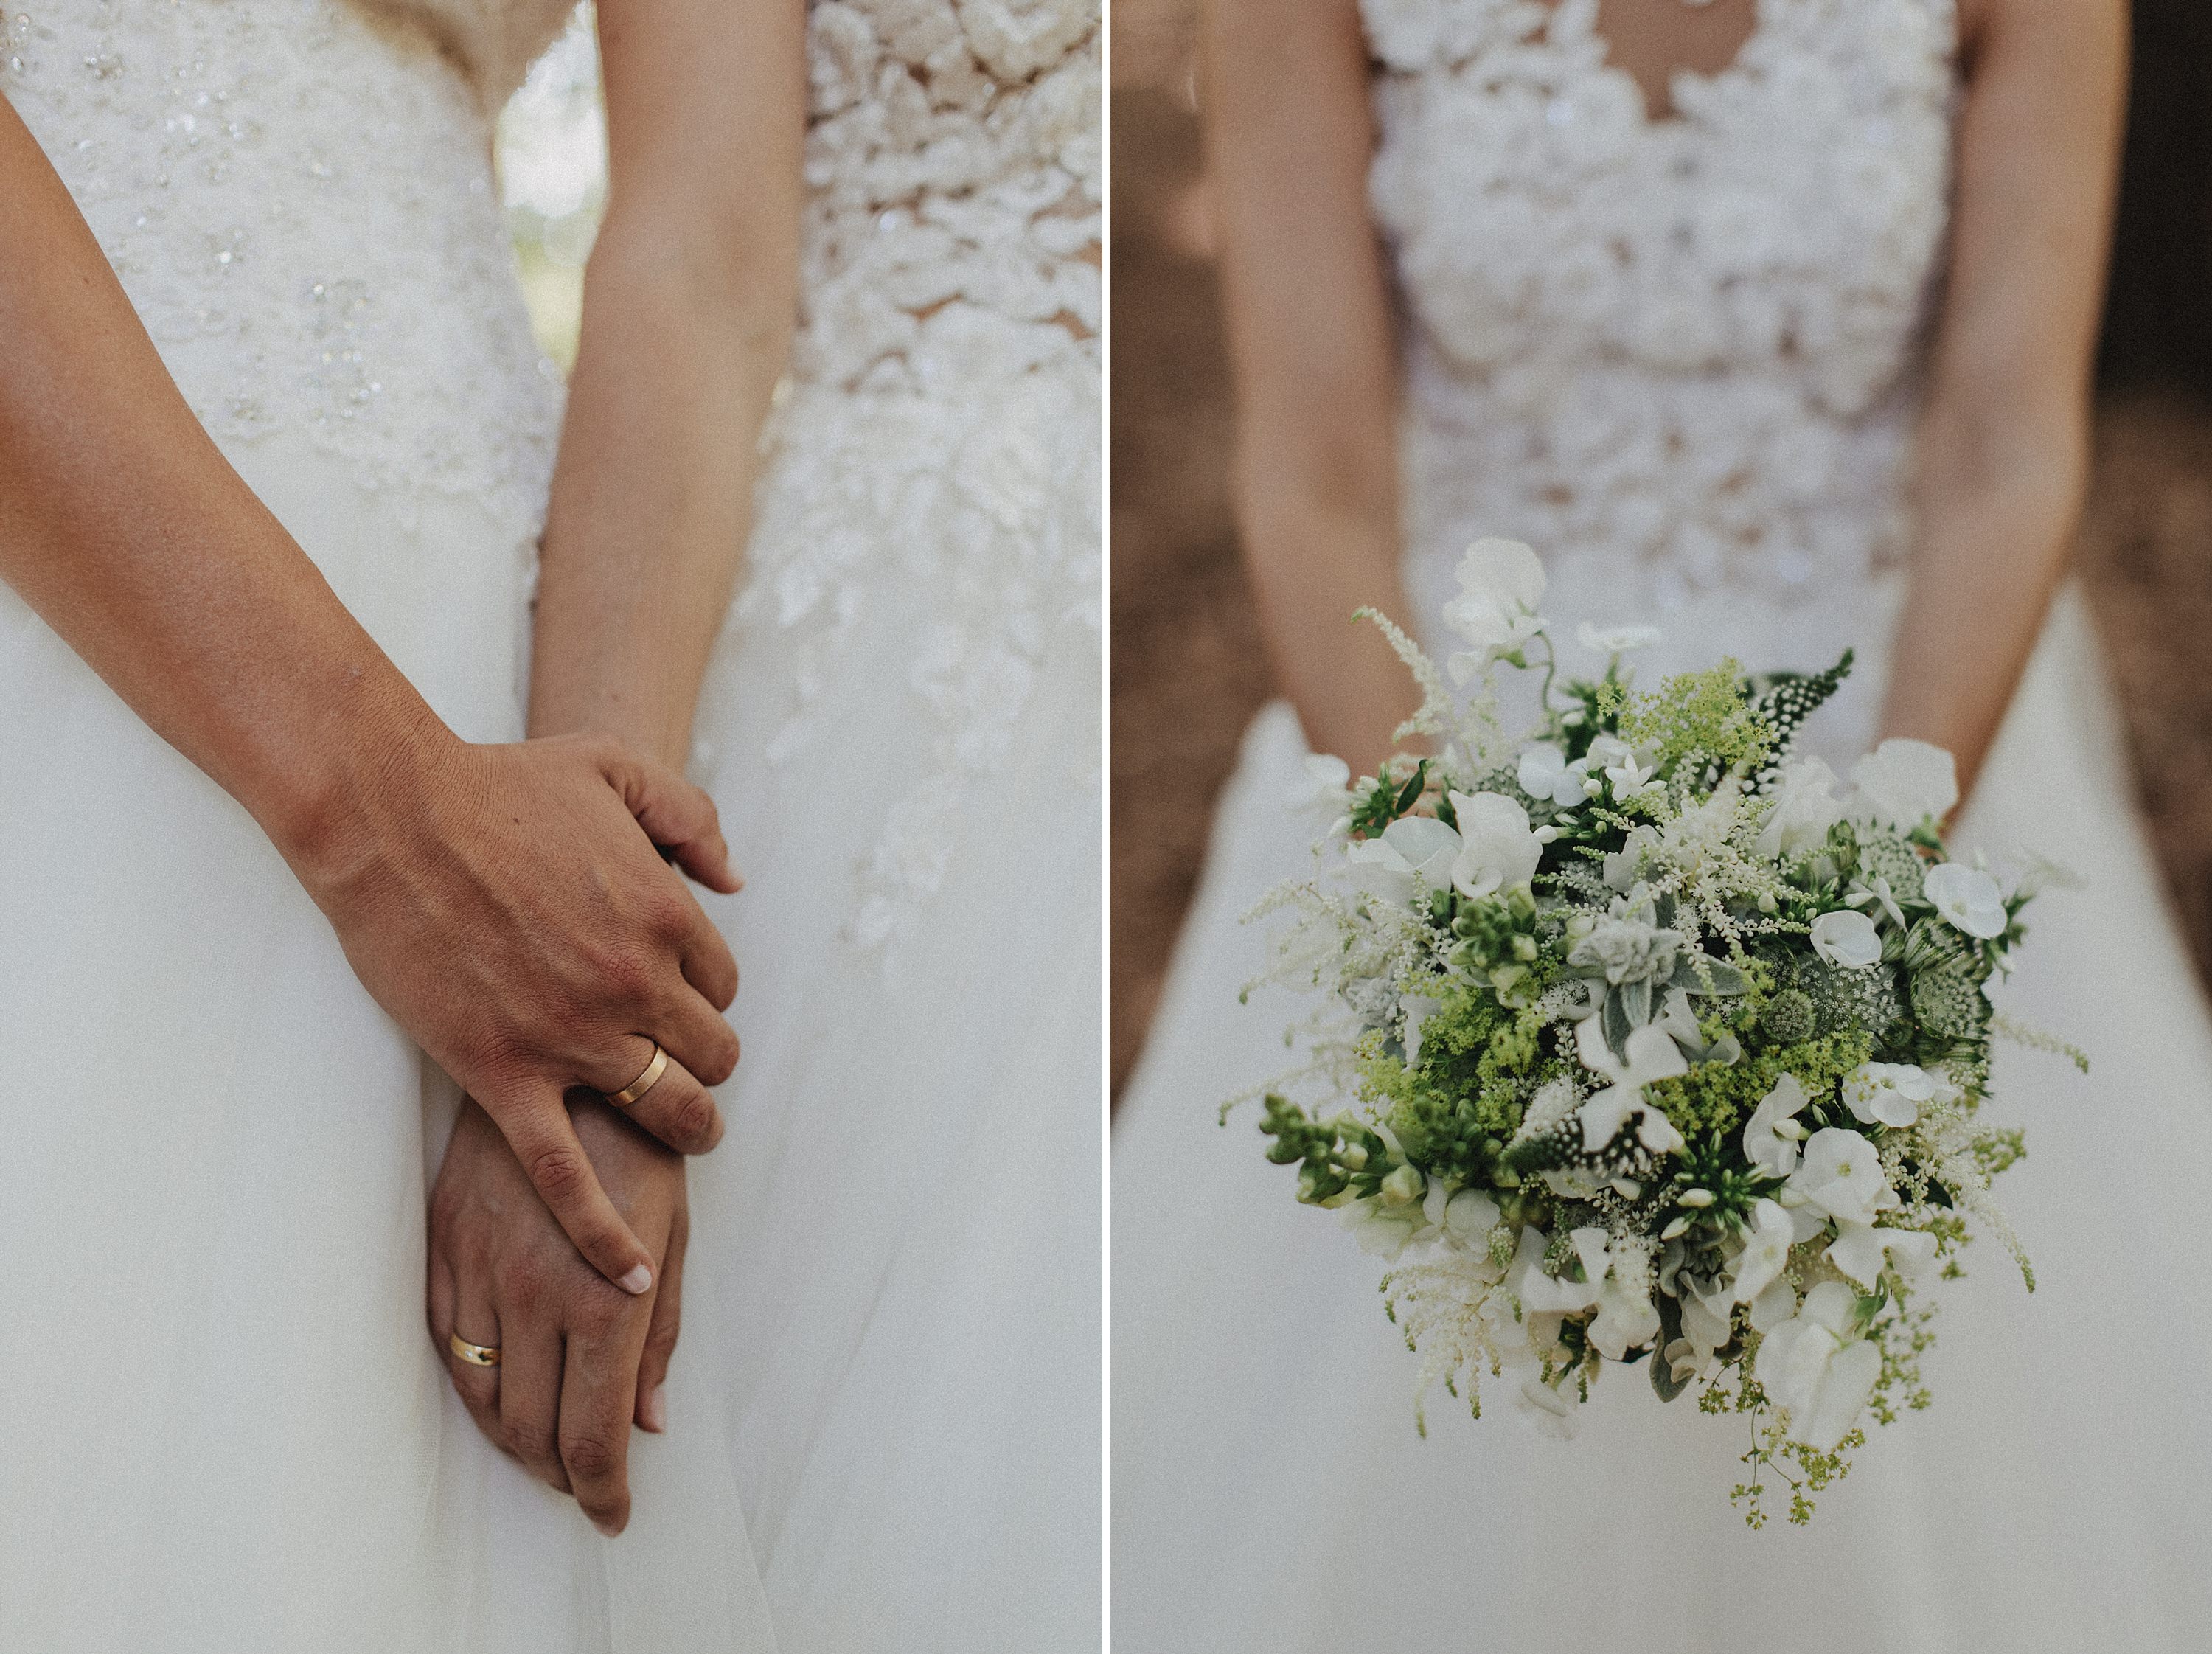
[645, 1082]
[477, 1355]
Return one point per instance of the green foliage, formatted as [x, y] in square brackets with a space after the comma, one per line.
[1455, 1106]
[1385, 800]
[1717, 1098]
[1699, 719]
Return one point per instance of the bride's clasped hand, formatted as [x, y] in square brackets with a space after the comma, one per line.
[510, 905]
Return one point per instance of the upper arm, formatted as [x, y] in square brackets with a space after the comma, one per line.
[1289, 135]
[2038, 148]
[705, 127]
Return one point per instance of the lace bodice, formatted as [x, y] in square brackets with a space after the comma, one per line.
[938, 460]
[1678, 355]
[298, 196]
[953, 162]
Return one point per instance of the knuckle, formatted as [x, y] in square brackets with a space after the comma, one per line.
[661, 1343]
[626, 972]
[590, 1455]
[695, 1120]
[559, 1172]
[525, 1283]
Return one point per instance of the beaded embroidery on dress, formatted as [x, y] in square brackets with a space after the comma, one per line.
[270, 178]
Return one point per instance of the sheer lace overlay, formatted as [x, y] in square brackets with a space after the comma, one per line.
[269, 179]
[1676, 355]
[939, 450]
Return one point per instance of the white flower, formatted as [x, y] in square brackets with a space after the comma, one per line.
[1877, 891]
[1652, 1054]
[1766, 1251]
[1841, 1178]
[1969, 898]
[1501, 582]
[1805, 806]
[1554, 1414]
[1498, 849]
[1816, 1366]
[1890, 1094]
[1412, 851]
[1469, 1216]
[1859, 1248]
[1545, 772]
[1904, 783]
[1629, 779]
[1770, 1139]
[1615, 640]
[1616, 1283]
[1846, 938]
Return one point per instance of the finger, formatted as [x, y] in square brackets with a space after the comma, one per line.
[529, 1389]
[599, 1392]
[661, 1330]
[676, 815]
[679, 1110]
[696, 1035]
[708, 963]
[536, 1127]
[467, 1314]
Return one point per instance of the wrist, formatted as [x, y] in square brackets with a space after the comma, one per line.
[379, 758]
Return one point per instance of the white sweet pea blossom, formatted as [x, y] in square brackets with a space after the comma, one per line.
[1498, 849]
[1617, 1284]
[1904, 783]
[1816, 1365]
[1841, 1178]
[1766, 1251]
[1847, 938]
[1771, 1138]
[1652, 1054]
[1469, 1216]
[1414, 852]
[1805, 806]
[1545, 772]
[1892, 1094]
[1501, 582]
[1859, 1248]
[1615, 640]
[1968, 898]
[1327, 787]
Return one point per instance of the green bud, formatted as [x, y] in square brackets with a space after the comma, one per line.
[1403, 1186]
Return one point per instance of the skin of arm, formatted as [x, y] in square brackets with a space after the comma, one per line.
[2003, 447]
[500, 901]
[1289, 134]
[688, 301]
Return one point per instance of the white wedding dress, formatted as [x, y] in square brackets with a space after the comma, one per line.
[228, 1431]
[1680, 357]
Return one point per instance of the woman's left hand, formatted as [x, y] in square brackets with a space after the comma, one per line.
[579, 1358]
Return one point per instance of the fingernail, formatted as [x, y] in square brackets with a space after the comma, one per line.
[606, 1528]
[655, 1409]
[636, 1281]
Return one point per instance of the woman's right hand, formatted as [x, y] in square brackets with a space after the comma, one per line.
[511, 907]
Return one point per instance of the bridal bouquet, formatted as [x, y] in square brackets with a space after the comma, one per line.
[1661, 1044]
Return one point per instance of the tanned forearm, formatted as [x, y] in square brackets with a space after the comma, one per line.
[123, 526]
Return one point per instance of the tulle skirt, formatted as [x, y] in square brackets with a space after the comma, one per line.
[228, 1429]
[1270, 1492]
[901, 1234]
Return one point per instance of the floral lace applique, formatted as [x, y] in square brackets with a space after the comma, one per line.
[941, 446]
[1682, 347]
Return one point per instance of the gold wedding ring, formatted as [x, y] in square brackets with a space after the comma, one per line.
[477, 1355]
[645, 1082]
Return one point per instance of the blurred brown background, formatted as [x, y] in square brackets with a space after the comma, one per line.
[1187, 670]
